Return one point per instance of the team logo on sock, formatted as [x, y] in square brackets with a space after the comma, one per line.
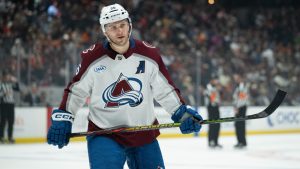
[124, 91]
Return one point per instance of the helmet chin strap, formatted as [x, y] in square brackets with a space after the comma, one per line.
[110, 41]
[107, 37]
[114, 45]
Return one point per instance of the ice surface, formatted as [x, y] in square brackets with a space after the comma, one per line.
[263, 152]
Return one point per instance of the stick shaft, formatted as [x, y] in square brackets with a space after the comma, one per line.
[278, 99]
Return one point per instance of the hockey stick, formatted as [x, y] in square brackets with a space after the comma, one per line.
[277, 100]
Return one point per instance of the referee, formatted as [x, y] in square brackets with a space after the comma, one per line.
[240, 102]
[212, 101]
[8, 85]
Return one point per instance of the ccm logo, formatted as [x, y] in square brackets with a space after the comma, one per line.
[62, 117]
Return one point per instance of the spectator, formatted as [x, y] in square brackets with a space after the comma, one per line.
[220, 33]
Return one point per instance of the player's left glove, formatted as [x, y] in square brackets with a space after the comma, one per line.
[60, 129]
[188, 118]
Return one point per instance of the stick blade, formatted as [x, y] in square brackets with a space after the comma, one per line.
[278, 99]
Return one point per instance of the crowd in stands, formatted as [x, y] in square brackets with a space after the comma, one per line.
[41, 41]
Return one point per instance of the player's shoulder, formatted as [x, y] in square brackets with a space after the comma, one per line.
[147, 49]
[94, 50]
[144, 45]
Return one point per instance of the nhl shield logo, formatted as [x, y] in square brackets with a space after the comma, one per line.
[124, 91]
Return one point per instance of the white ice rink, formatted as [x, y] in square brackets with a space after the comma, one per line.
[263, 152]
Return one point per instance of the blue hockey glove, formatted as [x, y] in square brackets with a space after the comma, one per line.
[60, 129]
[188, 118]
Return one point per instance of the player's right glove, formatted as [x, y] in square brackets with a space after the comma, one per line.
[188, 118]
[60, 129]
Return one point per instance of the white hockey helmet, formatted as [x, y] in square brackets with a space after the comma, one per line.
[113, 13]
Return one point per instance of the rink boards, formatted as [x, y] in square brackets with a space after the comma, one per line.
[31, 124]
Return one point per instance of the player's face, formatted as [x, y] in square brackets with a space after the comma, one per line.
[118, 32]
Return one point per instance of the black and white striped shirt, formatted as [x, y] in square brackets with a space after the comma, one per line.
[7, 91]
[212, 95]
[241, 95]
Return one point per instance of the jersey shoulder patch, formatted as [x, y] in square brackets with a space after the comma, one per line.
[147, 50]
[93, 51]
[91, 48]
[148, 44]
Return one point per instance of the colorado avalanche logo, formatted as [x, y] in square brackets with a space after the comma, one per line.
[124, 91]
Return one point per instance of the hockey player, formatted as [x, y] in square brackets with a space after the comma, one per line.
[240, 102]
[121, 76]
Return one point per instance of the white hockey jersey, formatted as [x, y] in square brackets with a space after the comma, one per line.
[121, 89]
